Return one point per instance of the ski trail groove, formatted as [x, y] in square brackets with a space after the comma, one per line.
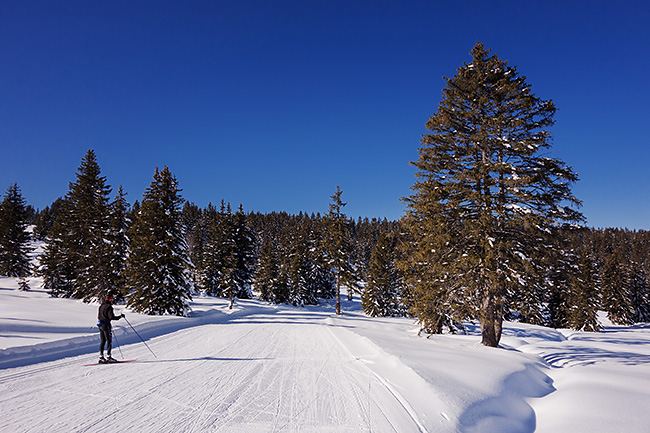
[280, 377]
[402, 401]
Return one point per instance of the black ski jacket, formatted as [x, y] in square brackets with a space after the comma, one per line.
[106, 314]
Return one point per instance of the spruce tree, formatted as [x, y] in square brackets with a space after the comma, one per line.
[44, 220]
[267, 275]
[639, 293]
[158, 274]
[381, 296]
[616, 296]
[14, 237]
[561, 278]
[220, 256]
[337, 245]
[194, 230]
[57, 263]
[77, 258]
[486, 200]
[321, 278]
[245, 257]
[302, 288]
[583, 296]
[210, 263]
[118, 250]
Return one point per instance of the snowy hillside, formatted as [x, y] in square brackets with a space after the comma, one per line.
[268, 368]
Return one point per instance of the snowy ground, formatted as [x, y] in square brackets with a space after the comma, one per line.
[265, 368]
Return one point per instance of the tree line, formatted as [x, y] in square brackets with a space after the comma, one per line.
[492, 232]
[163, 250]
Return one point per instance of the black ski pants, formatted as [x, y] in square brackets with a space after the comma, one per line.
[106, 338]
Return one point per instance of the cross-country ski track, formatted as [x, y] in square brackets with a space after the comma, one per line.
[234, 377]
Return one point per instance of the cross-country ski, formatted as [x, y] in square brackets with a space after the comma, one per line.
[125, 361]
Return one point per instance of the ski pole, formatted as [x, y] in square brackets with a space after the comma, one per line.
[117, 343]
[136, 333]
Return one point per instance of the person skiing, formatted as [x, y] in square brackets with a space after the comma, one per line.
[105, 315]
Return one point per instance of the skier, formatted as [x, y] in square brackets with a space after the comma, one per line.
[105, 315]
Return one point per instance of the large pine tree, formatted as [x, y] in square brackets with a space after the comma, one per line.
[486, 200]
[158, 268]
[14, 237]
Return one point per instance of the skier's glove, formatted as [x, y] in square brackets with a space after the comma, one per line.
[122, 316]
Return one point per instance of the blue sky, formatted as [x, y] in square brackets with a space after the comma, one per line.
[272, 104]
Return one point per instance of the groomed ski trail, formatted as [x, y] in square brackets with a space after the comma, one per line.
[235, 377]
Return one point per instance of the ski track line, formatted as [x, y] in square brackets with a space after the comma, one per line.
[211, 396]
[280, 400]
[151, 392]
[402, 401]
[294, 414]
[233, 391]
[28, 371]
[234, 406]
[261, 383]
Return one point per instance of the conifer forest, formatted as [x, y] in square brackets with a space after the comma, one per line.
[491, 232]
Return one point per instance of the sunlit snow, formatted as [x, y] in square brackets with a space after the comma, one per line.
[268, 368]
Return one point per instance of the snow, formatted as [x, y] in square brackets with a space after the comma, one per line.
[269, 368]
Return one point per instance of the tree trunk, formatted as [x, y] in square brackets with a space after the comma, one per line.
[338, 294]
[491, 320]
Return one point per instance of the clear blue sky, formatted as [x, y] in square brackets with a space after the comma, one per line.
[272, 104]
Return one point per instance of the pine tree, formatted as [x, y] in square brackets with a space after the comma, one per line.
[118, 246]
[561, 277]
[321, 278]
[302, 289]
[57, 263]
[267, 276]
[381, 296]
[14, 237]
[77, 258]
[616, 296]
[44, 220]
[486, 200]
[245, 258]
[639, 293]
[194, 228]
[158, 275]
[211, 262]
[338, 247]
[583, 296]
[221, 255]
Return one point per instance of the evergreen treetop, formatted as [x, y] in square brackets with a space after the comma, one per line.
[14, 237]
